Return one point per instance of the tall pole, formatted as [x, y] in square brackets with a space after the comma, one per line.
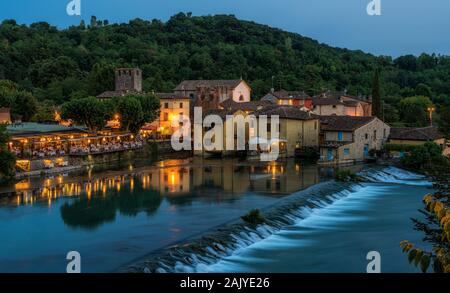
[430, 111]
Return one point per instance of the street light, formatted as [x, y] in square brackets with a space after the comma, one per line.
[430, 111]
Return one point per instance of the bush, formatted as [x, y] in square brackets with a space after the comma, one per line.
[346, 176]
[424, 155]
[254, 217]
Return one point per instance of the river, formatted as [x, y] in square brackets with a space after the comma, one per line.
[117, 217]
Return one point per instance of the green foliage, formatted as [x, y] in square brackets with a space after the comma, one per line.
[47, 59]
[22, 103]
[254, 217]
[389, 147]
[131, 113]
[376, 95]
[345, 175]
[436, 228]
[444, 120]
[45, 111]
[7, 159]
[414, 110]
[87, 111]
[423, 156]
[100, 78]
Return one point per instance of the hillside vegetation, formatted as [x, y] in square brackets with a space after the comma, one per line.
[57, 65]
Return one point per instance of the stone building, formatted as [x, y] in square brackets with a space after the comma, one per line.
[127, 80]
[292, 98]
[208, 94]
[341, 104]
[347, 139]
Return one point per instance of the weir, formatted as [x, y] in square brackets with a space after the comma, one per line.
[201, 253]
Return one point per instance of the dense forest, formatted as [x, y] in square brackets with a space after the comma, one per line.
[57, 65]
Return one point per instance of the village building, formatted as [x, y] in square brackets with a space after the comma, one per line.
[247, 107]
[223, 114]
[40, 146]
[419, 136]
[298, 129]
[346, 139]
[5, 115]
[208, 94]
[341, 104]
[292, 98]
[173, 107]
[127, 80]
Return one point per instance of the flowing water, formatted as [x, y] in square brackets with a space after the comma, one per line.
[329, 231]
[184, 212]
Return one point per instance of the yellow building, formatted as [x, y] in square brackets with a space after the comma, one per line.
[347, 139]
[173, 107]
[298, 129]
[222, 115]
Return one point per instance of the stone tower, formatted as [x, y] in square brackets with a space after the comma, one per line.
[129, 79]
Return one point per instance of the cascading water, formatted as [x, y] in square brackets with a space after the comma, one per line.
[317, 207]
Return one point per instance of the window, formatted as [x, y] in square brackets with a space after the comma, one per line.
[340, 136]
[384, 133]
[315, 125]
[334, 106]
[181, 105]
[268, 127]
[374, 135]
[241, 98]
[346, 152]
[166, 105]
[166, 116]
[191, 96]
[366, 135]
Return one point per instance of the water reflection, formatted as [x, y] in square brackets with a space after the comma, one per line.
[97, 198]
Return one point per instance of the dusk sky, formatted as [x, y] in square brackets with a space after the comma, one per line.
[405, 26]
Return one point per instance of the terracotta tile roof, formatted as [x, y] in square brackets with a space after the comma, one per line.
[326, 101]
[422, 134]
[222, 113]
[171, 96]
[296, 95]
[341, 96]
[111, 94]
[343, 123]
[286, 112]
[229, 104]
[192, 85]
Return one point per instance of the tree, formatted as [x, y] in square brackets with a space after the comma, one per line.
[131, 114]
[7, 159]
[150, 106]
[87, 111]
[436, 225]
[22, 103]
[444, 120]
[101, 78]
[376, 95]
[45, 111]
[414, 111]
